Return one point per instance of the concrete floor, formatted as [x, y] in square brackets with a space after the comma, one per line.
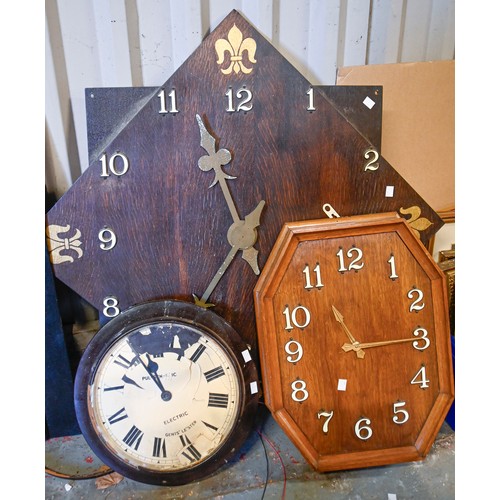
[268, 466]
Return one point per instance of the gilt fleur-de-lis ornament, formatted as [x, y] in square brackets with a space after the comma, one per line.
[236, 46]
[416, 222]
[58, 244]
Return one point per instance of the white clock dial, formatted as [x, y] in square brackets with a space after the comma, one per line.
[164, 406]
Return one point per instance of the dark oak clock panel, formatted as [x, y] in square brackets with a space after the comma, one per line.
[183, 203]
[352, 318]
[145, 222]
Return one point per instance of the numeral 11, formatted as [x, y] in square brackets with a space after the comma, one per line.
[317, 272]
[172, 102]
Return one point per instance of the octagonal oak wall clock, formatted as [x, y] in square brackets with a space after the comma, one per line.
[354, 337]
[184, 204]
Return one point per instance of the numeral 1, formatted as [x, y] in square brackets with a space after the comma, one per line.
[310, 93]
[317, 272]
[392, 263]
[110, 166]
[172, 102]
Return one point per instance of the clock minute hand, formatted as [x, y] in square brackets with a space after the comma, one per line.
[242, 234]
[152, 369]
[366, 345]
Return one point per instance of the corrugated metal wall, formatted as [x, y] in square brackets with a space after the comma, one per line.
[124, 43]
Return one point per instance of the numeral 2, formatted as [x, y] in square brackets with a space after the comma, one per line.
[371, 164]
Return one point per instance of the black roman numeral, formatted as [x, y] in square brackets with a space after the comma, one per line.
[210, 426]
[199, 351]
[123, 362]
[119, 415]
[134, 435]
[214, 373]
[159, 447]
[218, 400]
[114, 388]
[191, 453]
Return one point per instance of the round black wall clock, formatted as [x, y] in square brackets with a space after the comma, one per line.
[166, 392]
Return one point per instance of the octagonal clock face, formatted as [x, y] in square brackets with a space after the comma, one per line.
[354, 341]
[188, 197]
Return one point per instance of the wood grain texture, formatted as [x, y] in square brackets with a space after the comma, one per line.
[171, 227]
[302, 382]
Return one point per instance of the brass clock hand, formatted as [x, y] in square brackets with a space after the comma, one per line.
[366, 345]
[215, 280]
[242, 234]
[355, 344]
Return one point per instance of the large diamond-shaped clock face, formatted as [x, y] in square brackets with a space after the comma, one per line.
[186, 201]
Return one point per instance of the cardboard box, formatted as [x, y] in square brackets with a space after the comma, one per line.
[418, 123]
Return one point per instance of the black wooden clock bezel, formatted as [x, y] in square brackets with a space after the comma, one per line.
[211, 325]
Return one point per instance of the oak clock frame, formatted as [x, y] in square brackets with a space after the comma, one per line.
[353, 329]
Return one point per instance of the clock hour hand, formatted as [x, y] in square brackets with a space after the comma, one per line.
[355, 345]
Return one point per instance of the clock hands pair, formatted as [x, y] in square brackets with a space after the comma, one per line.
[242, 234]
[358, 347]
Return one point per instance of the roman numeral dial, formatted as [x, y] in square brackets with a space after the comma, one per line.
[167, 393]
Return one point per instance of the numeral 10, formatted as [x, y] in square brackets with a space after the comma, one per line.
[110, 166]
[292, 320]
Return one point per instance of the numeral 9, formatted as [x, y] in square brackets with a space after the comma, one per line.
[293, 348]
[107, 238]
